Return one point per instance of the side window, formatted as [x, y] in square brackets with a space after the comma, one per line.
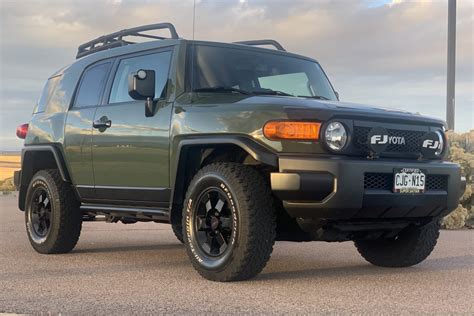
[48, 91]
[159, 62]
[92, 85]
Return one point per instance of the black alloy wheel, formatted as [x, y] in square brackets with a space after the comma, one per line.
[39, 214]
[213, 224]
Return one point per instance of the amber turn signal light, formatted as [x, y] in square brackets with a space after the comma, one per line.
[276, 130]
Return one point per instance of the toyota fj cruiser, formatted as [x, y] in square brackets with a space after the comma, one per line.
[235, 146]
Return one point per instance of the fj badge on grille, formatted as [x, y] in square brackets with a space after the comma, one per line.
[378, 139]
[432, 144]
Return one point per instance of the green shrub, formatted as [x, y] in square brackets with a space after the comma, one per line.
[462, 152]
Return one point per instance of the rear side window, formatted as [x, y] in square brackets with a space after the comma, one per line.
[92, 85]
[48, 92]
[159, 62]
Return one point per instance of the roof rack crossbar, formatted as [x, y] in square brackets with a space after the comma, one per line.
[149, 36]
[263, 42]
[115, 39]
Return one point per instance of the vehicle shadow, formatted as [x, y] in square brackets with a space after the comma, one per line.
[133, 248]
[284, 267]
[366, 269]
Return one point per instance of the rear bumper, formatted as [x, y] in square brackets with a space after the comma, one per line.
[337, 188]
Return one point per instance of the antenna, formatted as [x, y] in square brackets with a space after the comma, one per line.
[191, 47]
[451, 75]
[194, 16]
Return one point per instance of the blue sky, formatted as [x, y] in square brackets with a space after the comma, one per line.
[388, 53]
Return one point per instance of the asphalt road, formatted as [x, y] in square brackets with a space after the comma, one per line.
[141, 268]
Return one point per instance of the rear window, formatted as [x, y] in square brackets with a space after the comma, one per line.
[49, 91]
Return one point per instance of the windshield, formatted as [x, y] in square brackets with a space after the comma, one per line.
[235, 69]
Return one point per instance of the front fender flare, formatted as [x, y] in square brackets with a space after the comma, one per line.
[180, 145]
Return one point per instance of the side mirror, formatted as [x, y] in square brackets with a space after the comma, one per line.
[337, 95]
[141, 86]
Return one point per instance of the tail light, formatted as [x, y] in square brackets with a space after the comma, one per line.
[21, 131]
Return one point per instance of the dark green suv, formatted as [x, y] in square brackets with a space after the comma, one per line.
[235, 146]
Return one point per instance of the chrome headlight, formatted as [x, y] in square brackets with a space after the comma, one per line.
[335, 136]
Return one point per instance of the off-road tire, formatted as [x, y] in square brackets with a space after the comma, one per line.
[256, 221]
[178, 232]
[66, 218]
[411, 246]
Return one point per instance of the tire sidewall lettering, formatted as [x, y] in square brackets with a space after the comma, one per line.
[234, 213]
[189, 231]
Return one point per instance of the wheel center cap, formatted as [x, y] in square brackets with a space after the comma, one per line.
[214, 223]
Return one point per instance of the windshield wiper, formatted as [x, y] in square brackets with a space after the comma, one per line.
[318, 97]
[263, 91]
[221, 89]
[260, 91]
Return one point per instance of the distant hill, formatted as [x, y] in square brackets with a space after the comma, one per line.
[10, 153]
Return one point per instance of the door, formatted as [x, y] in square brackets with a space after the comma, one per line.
[131, 151]
[78, 129]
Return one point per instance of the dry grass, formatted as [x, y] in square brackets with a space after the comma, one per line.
[8, 164]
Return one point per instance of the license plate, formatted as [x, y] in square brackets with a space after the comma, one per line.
[409, 180]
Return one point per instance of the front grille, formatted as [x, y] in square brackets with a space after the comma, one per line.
[436, 182]
[378, 181]
[412, 140]
[384, 181]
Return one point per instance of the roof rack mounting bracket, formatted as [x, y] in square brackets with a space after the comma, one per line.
[263, 42]
[116, 39]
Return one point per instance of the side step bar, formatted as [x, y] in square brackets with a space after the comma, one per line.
[152, 214]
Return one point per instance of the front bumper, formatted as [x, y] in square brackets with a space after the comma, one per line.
[336, 188]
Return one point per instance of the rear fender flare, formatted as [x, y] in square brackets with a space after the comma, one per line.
[29, 167]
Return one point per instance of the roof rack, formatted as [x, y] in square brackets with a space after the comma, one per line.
[116, 39]
[263, 42]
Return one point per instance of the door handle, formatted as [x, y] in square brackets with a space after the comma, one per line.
[102, 123]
